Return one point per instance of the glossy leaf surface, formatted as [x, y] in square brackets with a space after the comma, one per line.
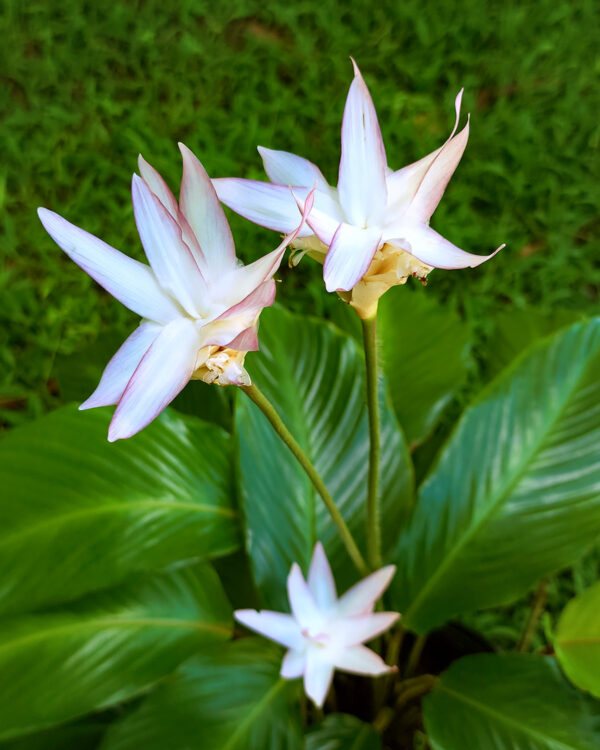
[343, 732]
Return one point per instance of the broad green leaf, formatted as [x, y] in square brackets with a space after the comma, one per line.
[425, 351]
[107, 647]
[230, 698]
[313, 374]
[80, 736]
[515, 494]
[92, 512]
[509, 702]
[343, 732]
[577, 641]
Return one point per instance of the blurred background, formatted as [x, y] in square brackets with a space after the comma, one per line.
[85, 86]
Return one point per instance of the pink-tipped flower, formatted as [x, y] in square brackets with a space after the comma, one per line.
[199, 305]
[325, 633]
[372, 231]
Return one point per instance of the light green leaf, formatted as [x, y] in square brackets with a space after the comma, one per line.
[313, 374]
[343, 732]
[515, 494]
[509, 702]
[425, 351]
[577, 642]
[92, 512]
[106, 648]
[229, 699]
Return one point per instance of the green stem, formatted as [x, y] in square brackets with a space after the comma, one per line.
[537, 608]
[268, 410]
[415, 656]
[369, 329]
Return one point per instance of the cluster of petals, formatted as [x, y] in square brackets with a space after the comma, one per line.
[325, 633]
[199, 305]
[374, 227]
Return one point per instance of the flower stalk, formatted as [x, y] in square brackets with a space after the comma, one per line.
[369, 329]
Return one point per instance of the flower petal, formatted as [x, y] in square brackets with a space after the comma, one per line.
[317, 677]
[320, 579]
[302, 602]
[361, 660]
[431, 248]
[121, 367]
[201, 208]
[284, 168]
[253, 303]
[360, 599]
[277, 626]
[364, 628]
[293, 664]
[362, 185]
[131, 282]
[246, 341]
[350, 255]
[161, 375]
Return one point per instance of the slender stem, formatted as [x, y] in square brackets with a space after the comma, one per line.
[407, 691]
[369, 329]
[268, 410]
[537, 607]
[415, 656]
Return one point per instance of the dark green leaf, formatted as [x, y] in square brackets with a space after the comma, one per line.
[229, 699]
[94, 512]
[106, 648]
[515, 495]
[509, 702]
[577, 641]
[81, 736]
[313, 374]
[343, 732]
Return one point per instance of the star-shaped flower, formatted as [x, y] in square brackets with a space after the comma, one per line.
[199, 305]
[372, 231]
[325, 633]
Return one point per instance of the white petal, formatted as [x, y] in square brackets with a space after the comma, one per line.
[302, 602]
[431, 248]
[158, 186]
[201, 207]
[246, 341]
[317, 677]
[277, 626]
[121, 367]
[349, 256]
[253, 303]
[161, 375]
[284, 168]
[131, 282]
[362, 185]
[361, 660]
[320, 579]
[169, 256]
[293, 664]
[360, 599]
[354, 630]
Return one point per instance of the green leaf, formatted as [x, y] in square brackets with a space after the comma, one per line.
[229, 699]
[313, 374]
[515, 495]
[509, 702]
[425, 351]
[93, 512]
[343, 732]
[81, 736]
[106, 648]
[577, 641]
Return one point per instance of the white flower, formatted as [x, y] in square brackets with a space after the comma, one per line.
[325, 633]
[199, 305]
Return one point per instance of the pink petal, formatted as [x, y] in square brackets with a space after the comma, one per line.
[323, 224]
[201, 208]
[121, 367]
[253, 303]
[169, 256]
[365, 627]
[278, 627]
[320, 579]
[246, 341]
[158, 186]
[361, 660]
[161, 375]
[360, 599]
[349, 256]
[302, 602]
[284, 168]
[318, 675]
[131, 282]
[362, 180]
[293, 664]
[431, 248]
